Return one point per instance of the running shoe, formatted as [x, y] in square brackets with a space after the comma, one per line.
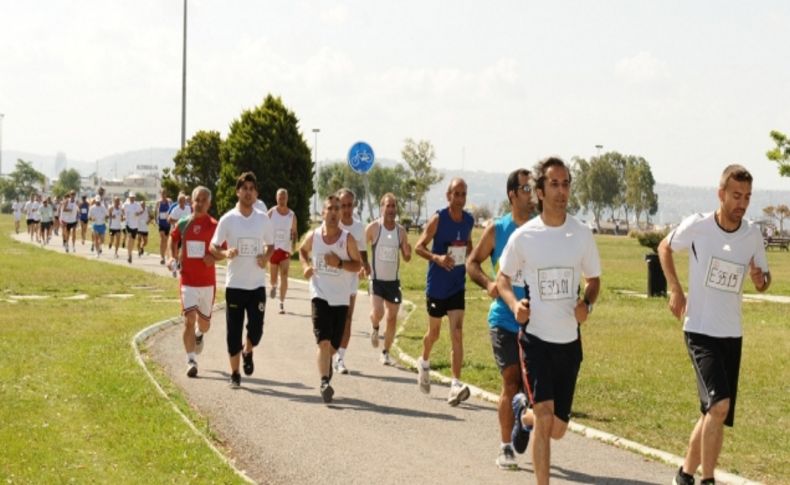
[374, 337]
[191, 368]
[199, 343]
[385, 359]
[520, 433]
[282, 309]
[327, 392]
[340, 366]
[129, 259]
[249, 365]
[273, 292]
[91, 246]
[235, 380]
[682, 478]
[458, 393]
[161, 261]
[507, 458]
[423, 376]
[66, 248]
[140, 252]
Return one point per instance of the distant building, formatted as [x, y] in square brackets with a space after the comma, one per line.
[148, 184]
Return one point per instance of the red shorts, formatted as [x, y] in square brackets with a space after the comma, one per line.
[279, 256]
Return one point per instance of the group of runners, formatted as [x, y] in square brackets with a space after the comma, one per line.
[544, 282]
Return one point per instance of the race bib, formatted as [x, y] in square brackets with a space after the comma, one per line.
[163, 216]
[555, 283]
[249, 246]
[458, 253]
[725, 276]
[84, 210]
[388, 254]
[196, 249]
[281, 236]
[324, 269]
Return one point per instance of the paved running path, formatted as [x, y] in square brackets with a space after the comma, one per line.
[379, 429]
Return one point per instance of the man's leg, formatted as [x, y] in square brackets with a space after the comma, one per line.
[274, 273]
[694, 452]
[456, 318]
[283, 267]
[391, 315]
[376, 314]
[511, 383]
[430, 337]
[713, 436]
[234, 318]
[162, 246]
[130, 238]
[541, 440]
[341, 352]
[255, 308]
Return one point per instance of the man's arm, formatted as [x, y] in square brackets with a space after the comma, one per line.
[480, 253]
[443, 260]
[520, 308]
[591, 288]
[304, 255]
[677, 299]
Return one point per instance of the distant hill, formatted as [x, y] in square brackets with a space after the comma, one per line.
[112, 166]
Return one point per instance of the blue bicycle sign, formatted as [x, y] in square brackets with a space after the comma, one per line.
[361, 157]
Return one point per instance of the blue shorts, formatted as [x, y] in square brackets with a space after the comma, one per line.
[164, 227]
[99, 229]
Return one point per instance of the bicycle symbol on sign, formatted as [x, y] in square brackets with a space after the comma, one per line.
[360, 158]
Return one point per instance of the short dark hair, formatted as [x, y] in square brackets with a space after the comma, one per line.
[735, 172]
[246, 177]
[543, 167]
[512, 180]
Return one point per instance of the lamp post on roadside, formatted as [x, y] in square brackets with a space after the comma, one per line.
[315, 166]
[184, 82]
[599, 149]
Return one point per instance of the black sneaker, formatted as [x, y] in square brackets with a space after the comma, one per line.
[683, 478]
[140, 252]
[129, 259]
[326, 391]
[235, 380]
[708, 481]
[192, 369]
[249, 365]
[162, 261]
[519, 434]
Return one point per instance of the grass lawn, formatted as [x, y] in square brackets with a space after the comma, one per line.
[74, 404]
[636, 380]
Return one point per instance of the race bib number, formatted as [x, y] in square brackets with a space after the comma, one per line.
[281, 236]
[388, 254]
[324, 269]
[555, 283]
[163, 216]
[249, 246]
[725, 276]
[196, 249]
[84, 210]
[458, 253]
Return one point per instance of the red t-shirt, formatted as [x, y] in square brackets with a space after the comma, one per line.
[195, 244]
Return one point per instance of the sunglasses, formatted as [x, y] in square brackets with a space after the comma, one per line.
[523, 188]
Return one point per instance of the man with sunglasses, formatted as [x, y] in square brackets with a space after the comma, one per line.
[503, 327]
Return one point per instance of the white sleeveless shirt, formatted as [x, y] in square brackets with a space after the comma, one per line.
[329, 283]
[386, 256]
[282, 225]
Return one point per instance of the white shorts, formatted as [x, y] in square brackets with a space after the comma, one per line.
[200, 298]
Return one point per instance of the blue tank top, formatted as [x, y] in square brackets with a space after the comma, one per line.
[84, 208]
[164, 210]
[441, 283]
[499, 315]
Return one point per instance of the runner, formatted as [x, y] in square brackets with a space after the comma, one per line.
[17, 207]
[284, 225]
[47, 215]
[31, 214]
[724, 249]
[69, 215]
[249, 238]
[198, 276]
[551, 254]
[179, 210]
[386, 239]
[84, 207]
[357, 231]
[98, 214]
[503, 327]
[161, 210]
[57, 205]
[116, 218]
[142, 228]
[329, 258]
[451, 232]
[131, 214]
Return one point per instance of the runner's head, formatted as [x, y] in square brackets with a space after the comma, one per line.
[247, 189]
[553, 185]
[735, 192]
[163, 194]
[201, 200]
[331, 212]
[389, 207]
[116, 201]
[347, 203]
[456, 193]
[520, 192]
[132, 197]
[282, 197]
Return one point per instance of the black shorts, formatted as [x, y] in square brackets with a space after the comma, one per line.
[388, 290]
[46, 225]
[438, 308]
[131, 232]
[328, 322]
[238, 303]
[505, 347]
[717, 362]
[114, 232]
[551, 371]
[30, 221]
[71, 225]
[142, 233]
[164, 229]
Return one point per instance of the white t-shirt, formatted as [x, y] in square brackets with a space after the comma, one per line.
[329, 283]
[718, 269]
[260, 205]
[552, 261]
[176, 212]
[282, 225]
[250, 235]
[130, 211]
[115, 217]
[357, 231]
[69, 212]
[34, 214]
[98, 213]
[17, 208]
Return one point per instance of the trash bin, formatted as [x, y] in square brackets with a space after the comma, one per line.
[656, 282]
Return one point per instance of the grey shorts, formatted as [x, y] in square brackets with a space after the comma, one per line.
[505, 347]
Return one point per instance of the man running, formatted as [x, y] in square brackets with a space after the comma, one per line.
[552, 254]
[116, 224]
[357, 231]
[162, 211]
[329, 258]
[31, 212]
[450, 229]
[503, 327]
[69, 215]
[142, 228]
[284, 225]
[47, 213]
[131, 213]
[17, 207]
[179, 210]
[198, 275]
[84, 207]
[723, 251]
[388, 241]
[245, 237]
[98, 215]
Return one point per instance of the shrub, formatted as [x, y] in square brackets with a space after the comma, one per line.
[649, 239]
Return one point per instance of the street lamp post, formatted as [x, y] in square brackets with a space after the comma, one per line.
[599, 149]
[315, 166]
[184, 82]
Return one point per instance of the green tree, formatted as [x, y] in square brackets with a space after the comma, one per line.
[68, 180]
[388, 179]
[338, 175]
[580, 193]
[780, 153]
[22, 182]
[419, 156]
[266, 140]
[596, 185]
[780, 213]
[640, 193]
[198, 163]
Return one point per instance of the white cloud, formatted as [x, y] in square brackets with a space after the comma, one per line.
[642, 68]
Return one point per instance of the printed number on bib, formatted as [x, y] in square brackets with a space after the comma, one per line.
[280, 236]
[555, 283]
[163, 216]
[458, 253]
[388, 254]
[724, 275]
[249, 246]
[196, 249]
[324, 269]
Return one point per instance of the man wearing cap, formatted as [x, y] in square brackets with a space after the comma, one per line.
[131, 212]
[68, 217]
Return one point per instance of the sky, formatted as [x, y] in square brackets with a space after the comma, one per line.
[690, 86]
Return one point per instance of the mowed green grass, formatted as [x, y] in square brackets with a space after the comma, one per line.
[74, 405]
[636, 380]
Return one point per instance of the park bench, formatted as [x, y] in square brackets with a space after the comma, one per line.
[782, 243]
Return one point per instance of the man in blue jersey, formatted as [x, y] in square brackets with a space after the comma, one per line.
[450, 229]
[503, 327]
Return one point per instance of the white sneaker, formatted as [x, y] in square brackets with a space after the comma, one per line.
[507, 458]
[340, 367]
[458, 393]
[423, 376]
[385, 359]
[374, 337]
